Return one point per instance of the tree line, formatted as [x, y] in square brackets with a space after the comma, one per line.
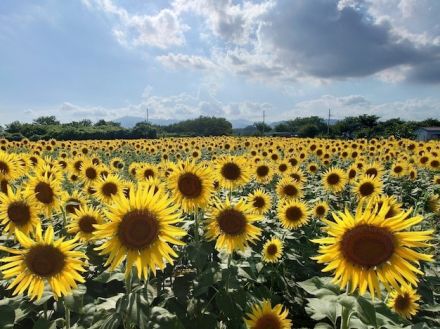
[362, 126]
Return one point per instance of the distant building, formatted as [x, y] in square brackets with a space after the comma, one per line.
[428, 133]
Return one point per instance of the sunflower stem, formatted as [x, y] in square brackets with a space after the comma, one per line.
[67, 314]
[196, 225]
[45, 311]
[345, 316]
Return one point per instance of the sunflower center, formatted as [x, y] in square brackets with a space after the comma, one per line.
[19, 213]
[398, 169]
[282, 167]
[367, 245]
[86, 224]
[44, 193]
[4, 186]
[351, 173]
[366, 189]
[295, 176]
[72, 205]
[435, 164]
[268, 321]
[262, 171]
[259, 202]
[190, 185]
[272, 249]
[231, 171]
[109, 189]
[294, 213]
[371, 172]
[91, 173]
[290, 190]
[402, 302]
[148, 173]
[320, 210]
[4, 168]
[232, 222]
[333, 179]
[138, 229]
[45, 260]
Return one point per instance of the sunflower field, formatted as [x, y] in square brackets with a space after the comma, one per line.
[220, 232]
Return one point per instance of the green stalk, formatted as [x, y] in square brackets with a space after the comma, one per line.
[67, 313]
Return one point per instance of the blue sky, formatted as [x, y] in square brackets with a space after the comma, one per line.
[184, 58]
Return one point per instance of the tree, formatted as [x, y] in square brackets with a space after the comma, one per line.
[262, 127]
[47, 120]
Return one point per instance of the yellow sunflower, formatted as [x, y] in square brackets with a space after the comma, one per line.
[293, 214]
[264, 316]
[18, 211]
[263, 172]
[398, 169]
[140, 230]
[288, 188]
[232, 225]
[191, 185]
[232, 172]
[320, 209]
[73, 201]
[368, 187]
[272, 250]
[83, 220]
[334, 180]
[260, 201]
[43, 260]
[366, 249]
[404, 301]
[9, 166]
[46, 192]
[108, 188]
[89, 172]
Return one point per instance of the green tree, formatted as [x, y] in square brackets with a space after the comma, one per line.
[47, 120]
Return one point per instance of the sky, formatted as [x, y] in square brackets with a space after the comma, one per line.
[106, 59]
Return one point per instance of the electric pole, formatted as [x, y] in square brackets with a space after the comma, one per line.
[328, 123]
[264, 118]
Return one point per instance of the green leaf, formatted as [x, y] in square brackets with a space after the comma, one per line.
[319, 286]
[227, 305]
[7, 317]
[42, 323]
[163, 319]
[323, 325]
[106, 277]
[322, 308]
[366, 312]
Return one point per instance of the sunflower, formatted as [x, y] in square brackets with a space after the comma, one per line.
[232, 225]
[313, 167]
[282, 166]
[43, 260]
[263, 172]
[260, 201]
[404, 301]
[139, 231]
[232, 172]
[366, 249]
[436, 180]
[145, 171]
[83, 220]
[288, 188]
[334, 180]
[368, 187]
[264, 316]
[398, 169]
[18, 211]
[73, 201]
[297, 174]
[9, 166]
[293, 214]
[320, 209]
[89, 172]
[395, 208]
[46, 192]
[191, 185]
[374, 169]
[108, 188]
[272, 250]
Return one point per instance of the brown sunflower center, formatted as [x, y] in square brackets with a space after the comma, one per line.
[351, 173]
[333, 179]
[367, 245]
[259, 202]
[290, 190]
[294, 213]
[232, 222]
[190, 185]
[402, 302]
[231, 171]
[435, 163]
[148, 173]
[138, 229]
[268, 321]
[86, 223]
[91, 173]
[72, 205]
[19, 213]
[44, 193]
[272, 249]
[262, 171]
[366, 189]
[45, 260]
[4, 168]
[295, 176]
[282, 167]
[109, 189]
[4, 186]
[398, 169]
[320, 210]
[371, 172]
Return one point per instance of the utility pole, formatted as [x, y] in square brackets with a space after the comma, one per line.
[328, 123]
[146, 115]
